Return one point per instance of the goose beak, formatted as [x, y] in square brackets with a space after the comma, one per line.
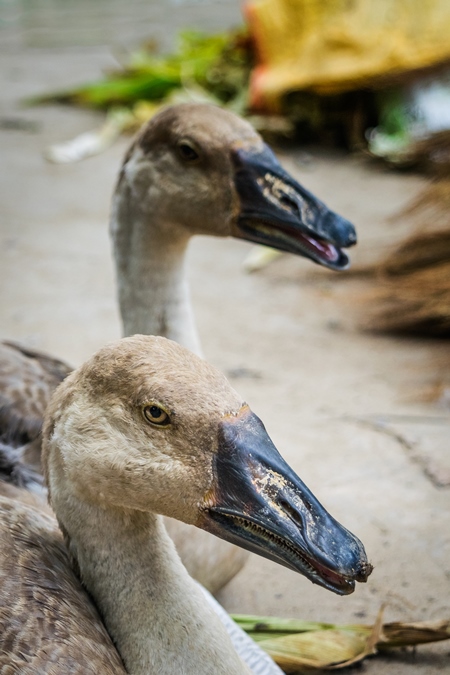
[260, 504]
[277, 211]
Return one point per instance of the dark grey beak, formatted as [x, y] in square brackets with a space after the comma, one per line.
[260, 504]
[279, 212]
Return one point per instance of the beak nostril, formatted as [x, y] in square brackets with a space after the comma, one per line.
[288, 203]
[292, 513]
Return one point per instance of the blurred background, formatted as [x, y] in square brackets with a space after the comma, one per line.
[349, 371]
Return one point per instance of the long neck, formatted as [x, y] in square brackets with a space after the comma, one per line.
[150, 266]
[154, 612]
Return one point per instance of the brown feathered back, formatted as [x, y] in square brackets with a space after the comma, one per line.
[27, 380]
[48, 623]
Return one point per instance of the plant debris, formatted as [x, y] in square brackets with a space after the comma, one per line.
[216, 65]
[304, 646]
[413, 282]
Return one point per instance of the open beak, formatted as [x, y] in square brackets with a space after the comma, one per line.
[279, 212]
[260, 504]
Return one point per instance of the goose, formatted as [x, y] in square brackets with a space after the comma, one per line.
[146, 428]
[193, 169]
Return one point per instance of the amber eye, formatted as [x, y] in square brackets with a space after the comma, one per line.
[187, 151]
[156, 415]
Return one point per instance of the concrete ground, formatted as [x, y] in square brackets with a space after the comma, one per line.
[345, 408]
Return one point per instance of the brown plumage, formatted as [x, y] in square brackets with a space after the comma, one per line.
[27, 380]
[48, 623]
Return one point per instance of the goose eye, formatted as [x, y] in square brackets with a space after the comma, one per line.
[187, 152]
[156, 415]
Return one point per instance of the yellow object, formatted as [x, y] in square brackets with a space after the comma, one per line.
[331, 46]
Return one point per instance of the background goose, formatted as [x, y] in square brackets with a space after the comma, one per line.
[193, 169]
[145, 427]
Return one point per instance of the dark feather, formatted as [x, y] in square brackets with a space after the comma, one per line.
[48, 623]
[27, 380]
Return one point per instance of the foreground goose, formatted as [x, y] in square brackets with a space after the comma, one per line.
[193, 169]
[146, 428]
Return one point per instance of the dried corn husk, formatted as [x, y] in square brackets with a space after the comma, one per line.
[399, 634]
[303, 646]
[318, 650]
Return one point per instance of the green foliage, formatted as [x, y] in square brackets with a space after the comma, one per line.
[219, 64]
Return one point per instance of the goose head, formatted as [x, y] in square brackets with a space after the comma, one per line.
[147, 426]
[199, 169]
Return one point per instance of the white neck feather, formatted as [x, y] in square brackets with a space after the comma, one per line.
[153, 290]
[155, 613]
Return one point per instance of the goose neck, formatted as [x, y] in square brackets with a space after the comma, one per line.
[153, 290]
[155, 613]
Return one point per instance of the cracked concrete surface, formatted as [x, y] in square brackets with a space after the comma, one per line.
[426, 439]
[343, 407]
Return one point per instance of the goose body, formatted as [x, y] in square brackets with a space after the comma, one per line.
[145, 429]
[193, 169]
[28, 379]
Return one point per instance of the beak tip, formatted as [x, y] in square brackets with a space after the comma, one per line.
[364, 572]
[353, 238]
[342, 231]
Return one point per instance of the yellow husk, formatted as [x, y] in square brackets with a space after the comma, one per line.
[329, 649]
[400, 634]
[303, 647]
[318, 649]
